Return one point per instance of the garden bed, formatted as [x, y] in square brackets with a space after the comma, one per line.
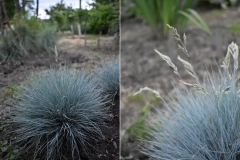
[13, 72]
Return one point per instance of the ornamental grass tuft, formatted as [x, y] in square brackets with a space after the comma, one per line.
[204, 119]
[108, 77]
[60, 114]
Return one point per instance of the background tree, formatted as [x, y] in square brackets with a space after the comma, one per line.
[10, 8]
[23, 6]
[57, 15]
[5, 19]
[37, 8]
[100, 18]
[1, 18]
[84, 14]
[5, 14]
[70, 18]
[104, 17]
[27, 3]
[30, 4]
[79, 20]
[17, 6]
[106, 1]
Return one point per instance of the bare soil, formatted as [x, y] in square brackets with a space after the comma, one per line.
[73, 54]
[141, 66]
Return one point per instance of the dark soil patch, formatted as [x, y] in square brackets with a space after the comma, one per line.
[108, 148]
[141, 66]
[16, 71]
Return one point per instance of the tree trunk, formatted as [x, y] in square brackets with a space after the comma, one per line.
[1, 20]
[85, 30]
[17, 6]
[37, 8]
[23, 6]
[6, 20]
[71, 26]
[79, 20]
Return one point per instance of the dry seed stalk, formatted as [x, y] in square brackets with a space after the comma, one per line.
[148, 89]
[183, 47]
[168, 60]
[188, 67]
[199, 88]
[183, 44]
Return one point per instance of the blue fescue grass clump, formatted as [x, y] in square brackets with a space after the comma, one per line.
[204, 120]
[60, 114]
[47, 38]
[27, 40]
[199, 126]
[108, 76]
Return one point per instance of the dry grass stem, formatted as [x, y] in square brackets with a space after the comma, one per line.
[169, 62]
[199, 88]
[148, 89]
[188, 67]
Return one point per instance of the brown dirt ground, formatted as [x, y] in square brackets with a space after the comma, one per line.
[141, 66]
[72, 53]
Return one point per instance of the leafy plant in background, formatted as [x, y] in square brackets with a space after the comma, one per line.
[7, 151]
[234, 28]
[108, 77]
[224, 3]
[140, 128]
[12, 90]
[203, 122]
[60, 114]
[173, 12]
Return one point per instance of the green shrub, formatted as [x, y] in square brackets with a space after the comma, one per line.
[7, 152]
[61, 113]
[223, 3]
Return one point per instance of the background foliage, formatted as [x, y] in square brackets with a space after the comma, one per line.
[102, 17]
[159, 13]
